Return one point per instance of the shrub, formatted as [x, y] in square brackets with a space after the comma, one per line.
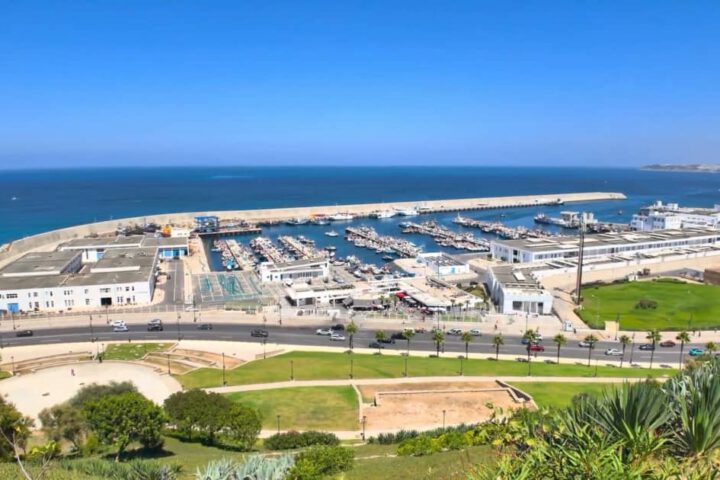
[419, 446]
[390, 438]
[321, 461]
[134, 470]
[646, 304]
[291, 440]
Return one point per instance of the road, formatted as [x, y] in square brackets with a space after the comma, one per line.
[305, 336]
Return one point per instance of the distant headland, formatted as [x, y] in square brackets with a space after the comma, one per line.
[691, 167]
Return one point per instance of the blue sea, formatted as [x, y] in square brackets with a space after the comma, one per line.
[34, 201]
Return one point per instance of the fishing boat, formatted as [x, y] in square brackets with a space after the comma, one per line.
[406, 211]
[297, 221]
[383, 214]
[388, 258]
[331, 233]
[340, 216]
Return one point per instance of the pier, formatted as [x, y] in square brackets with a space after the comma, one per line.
[265, 248]
[299, 249]
[367, 237]
[500, 229]
[446, 237]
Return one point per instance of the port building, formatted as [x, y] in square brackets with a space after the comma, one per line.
[294, 271]
[93, 249]
[442, 264]
[515, 290]
[659, 216]
[623, 244]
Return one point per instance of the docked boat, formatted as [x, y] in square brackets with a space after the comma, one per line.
[383, 214]
[331, 233]
[297, 221]
[406, 211]
[338, 217]
[388, 258]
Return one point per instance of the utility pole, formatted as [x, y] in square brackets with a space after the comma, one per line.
[223, 365]
[581, 254]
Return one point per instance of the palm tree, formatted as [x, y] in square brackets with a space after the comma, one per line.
[654, 337]
[624, 341]
[380, 337]
[591, 340]
[467, 338]
[409, 334]
[559, 340]
[498, 342]
[439, 338]
[532, 337]
[711, 347]
[682, 337]
[351, 329]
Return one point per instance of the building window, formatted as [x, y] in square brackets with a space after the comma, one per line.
[104, 290]
[87, 301]
[11, 295]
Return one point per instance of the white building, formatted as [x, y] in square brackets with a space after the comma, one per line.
[515, 290]
[661, 216]
[442, 264]
[626, 244]
[323, 294]
[295, 271]
[54, 281]
[94, 248]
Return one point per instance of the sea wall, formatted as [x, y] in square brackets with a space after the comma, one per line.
[49, 240]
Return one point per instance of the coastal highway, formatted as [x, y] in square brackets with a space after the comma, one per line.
[305, 336]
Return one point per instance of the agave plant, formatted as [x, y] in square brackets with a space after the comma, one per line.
[256, 467]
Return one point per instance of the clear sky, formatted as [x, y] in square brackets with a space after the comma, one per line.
[359, 82]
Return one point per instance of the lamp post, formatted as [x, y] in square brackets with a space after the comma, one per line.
[278, 424]
[632, 349]
[292, 370]
[92, 333]
[461, 367]
[406, 363]
[364, 421]
[223, 369]
[12, 360]
[264, 349]
[351, 368]
[168, 362]
[178, 327]
[444, 411]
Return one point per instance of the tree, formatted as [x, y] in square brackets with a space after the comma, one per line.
[321, 461]
[121, 419]
[591, 340]
[498, 342]
[197, 411]
[242, 425]
[682, 337]
[439, 338]
[380, 337]
[351, 330]
[64, 422]
[654, 337]
[560, 341]
[95, 391]
[531, 337]
[467, 338]
[711, 347]
[14, 431]
[409, 334]
[624, 341]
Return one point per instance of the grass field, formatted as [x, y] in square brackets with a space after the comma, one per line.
[552, 394]
[132, 351]
[676, 301]
[329, 366]
[305, 408]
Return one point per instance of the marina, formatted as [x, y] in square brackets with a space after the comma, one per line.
[299, 247]
[367, 237]
[446, 237]
[500, 229]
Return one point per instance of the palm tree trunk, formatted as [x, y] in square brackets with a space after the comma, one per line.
[558, 355]
[437, 348]
[497, 352]
[467, 347]
[589, 354]
[408, 347]
[351, 341]
[680, 361]
[652, 356]
[622, 359]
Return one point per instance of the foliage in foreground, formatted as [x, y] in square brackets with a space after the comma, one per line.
[133, 470]
[321, 461]
[292, 440]
[256, 467]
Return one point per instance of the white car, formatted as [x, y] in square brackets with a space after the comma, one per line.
[613, 352]
[336, 337]
[475, 332]
[191, 308]
[323, 331]
[117, 323]
[120, 328]
[454, 331]
[584, 344]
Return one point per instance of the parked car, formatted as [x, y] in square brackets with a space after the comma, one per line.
[584, 344]
[24, 333]
[388, 340]
[696, 352]
[191, 308]
[455, 331]
[259, 332]
[475, 332]
[398, 336]
[154, 327]
[668, 343]
[338, 328]
[375, 345]
[120, 328]
[647, 346]
[613, 352]
[323, 331]
[536, 348]
[205, 326]
[336, 337]
[117, 323]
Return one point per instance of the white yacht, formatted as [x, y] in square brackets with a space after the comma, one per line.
[331, 233]
[406, 211]
[342, 216]
[383, 214]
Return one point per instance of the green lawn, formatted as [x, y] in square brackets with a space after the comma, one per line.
[559, 394]
[305, 408]
[4, 374]
[132, 351]
[676, 302]
[329, 366]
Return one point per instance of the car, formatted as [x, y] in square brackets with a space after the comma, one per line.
[667, 343]
[536, 348]
[120, 328]
[154, 327]
[259, 332]
[323, 331]
[191, 308]
[584, 344]
[375, 345]
[455, 331]
[475, 332]
[336, 337]
[647, 346]
[117, 323]
[388, 340]
[338, 328]
[696, 352]
[613, 352]
[24, 333]
[205, 326]
[398, 336]
[155, 321]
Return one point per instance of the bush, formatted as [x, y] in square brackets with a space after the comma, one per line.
[291, 440]
[321, 461]
[391, 438]
[419, 446]
[133, 470]
[646, 304]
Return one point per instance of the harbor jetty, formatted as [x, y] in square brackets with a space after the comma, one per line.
[500, 229]
[445, 237]
[367, 237]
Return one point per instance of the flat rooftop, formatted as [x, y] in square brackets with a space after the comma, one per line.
[104, 242]
[599, 240]
[39, 263]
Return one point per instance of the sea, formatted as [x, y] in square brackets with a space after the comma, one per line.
[35, 201]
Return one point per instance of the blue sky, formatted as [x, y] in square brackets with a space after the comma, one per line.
[359, 82]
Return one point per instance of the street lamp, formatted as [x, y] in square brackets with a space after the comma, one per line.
[178, 327]
[351, 368]
[92, 333]
[406, 362]
[223, 369]
[461, 366]
[444, 418]
[12, 360]
[278, 424]
[292, 370]
[364, 421]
